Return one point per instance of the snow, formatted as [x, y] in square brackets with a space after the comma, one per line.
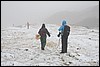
[20, 48]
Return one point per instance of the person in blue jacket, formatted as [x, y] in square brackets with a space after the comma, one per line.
[64, 31]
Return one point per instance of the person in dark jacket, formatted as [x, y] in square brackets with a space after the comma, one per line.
[27, 25]
[64, 31]
[42, 32]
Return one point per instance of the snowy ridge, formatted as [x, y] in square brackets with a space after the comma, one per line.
[20, 48]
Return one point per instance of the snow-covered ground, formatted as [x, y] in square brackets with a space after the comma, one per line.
[20, 48]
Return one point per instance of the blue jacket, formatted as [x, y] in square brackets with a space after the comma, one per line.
[62, 26]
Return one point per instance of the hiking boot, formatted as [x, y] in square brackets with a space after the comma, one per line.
[42, 48]
[61, 52]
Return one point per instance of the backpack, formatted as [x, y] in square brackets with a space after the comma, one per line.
[66, 31]
[43, 32]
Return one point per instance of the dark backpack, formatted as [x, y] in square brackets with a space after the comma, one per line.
[42, 32]
[66, 31]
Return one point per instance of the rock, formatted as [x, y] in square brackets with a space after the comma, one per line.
[90, 38]
[48, 58]
[70, 55]
[26, 49]
[62, 59]
[78, 54]
[31, 58]
[13, 64]
[77, 48]
[92, 30]
[70, 62]
[66, 64]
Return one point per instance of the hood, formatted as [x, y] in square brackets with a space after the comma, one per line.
[63, 22]
[43, 25]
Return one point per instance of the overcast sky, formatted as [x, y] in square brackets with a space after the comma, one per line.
[19, 12]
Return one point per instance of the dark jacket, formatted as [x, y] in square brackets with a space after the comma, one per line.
[43, 31]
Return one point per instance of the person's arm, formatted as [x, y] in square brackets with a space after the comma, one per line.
[59, 34]
[48, 33]
[60, 30]
[39, 31]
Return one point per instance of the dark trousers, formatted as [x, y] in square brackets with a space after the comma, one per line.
[43, 42]
[64, 44]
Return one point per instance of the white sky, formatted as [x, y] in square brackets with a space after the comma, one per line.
[19, 12]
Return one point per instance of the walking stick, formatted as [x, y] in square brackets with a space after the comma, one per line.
[59, 42]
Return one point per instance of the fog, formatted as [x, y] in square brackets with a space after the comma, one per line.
[21, 12]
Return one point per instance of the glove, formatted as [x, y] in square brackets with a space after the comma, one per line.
[49, 35]
[59, 34]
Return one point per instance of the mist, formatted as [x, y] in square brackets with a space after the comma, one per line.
[21, 12]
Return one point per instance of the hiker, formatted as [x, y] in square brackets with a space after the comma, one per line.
[13, 25]
[64, 31]
[27, 25]
[42, 32]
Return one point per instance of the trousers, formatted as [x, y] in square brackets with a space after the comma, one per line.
[64, 44]
[43, 42]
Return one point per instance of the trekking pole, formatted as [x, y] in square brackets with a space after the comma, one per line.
[59, 42]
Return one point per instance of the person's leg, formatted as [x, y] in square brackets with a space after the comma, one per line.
[44, 42]
[65, 45]
[62, 44]
[41, 39]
